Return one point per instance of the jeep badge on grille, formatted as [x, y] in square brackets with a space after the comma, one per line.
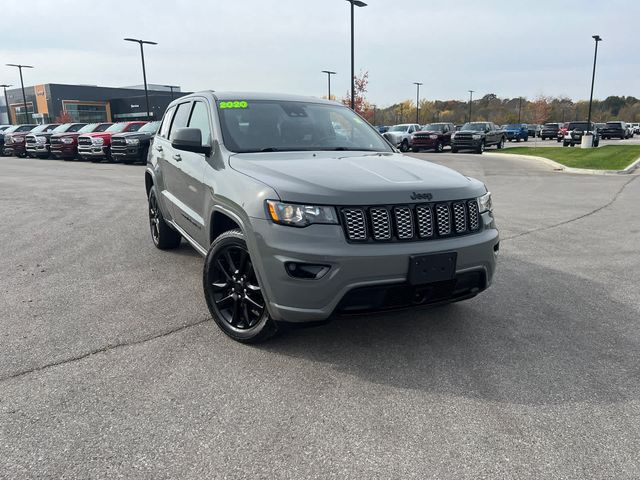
[421, 196]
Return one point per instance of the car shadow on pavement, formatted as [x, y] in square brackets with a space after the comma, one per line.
[546, 337]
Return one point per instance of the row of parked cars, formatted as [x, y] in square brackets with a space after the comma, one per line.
[474, 136]
[479, 135]
[126, 142]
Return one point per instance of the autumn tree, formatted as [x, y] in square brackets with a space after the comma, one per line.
[360, 103]
[541, 110]
[64, 117]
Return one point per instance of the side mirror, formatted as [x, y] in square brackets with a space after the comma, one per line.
[189, 140]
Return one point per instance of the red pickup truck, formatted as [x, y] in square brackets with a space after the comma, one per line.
[96, 146]
[65, 145]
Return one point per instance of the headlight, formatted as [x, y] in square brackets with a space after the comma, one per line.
[476, 136]
[453, 135]
[484, 203]
[433, 137]
[66, 140]
[297, 215]
[41, 140]
[132, 141]
[97, 141]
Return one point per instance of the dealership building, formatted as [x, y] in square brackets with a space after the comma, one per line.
[86, 103]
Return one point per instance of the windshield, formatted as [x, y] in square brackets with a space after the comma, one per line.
[151, 127]
[399, 128]
[273, 125]
[513, 126]
[102, 128]
[116, 128]
[613, 124]
[473, 127]
[67, 127]
[551, 125]
[43, 128]
[433, 127]
[88, 128]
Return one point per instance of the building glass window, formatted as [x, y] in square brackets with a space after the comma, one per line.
[87, 113]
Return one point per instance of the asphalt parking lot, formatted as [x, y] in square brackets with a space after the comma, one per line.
[110, 366]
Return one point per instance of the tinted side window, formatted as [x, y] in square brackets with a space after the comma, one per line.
[181, 118]
[200, 119]
[166, 123]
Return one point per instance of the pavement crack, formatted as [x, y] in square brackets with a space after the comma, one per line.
[103, 350]
[592, 212]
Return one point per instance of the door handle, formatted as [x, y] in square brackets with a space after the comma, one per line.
[159, 148]
[177, 157]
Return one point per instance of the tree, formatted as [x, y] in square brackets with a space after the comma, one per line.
[360, 103]
[541, 110]
[64, 117]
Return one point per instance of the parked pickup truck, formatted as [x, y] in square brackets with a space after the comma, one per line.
[133, 147]
[517, 132]
[15, 142]
[96, 146]
[477, 136]
[6, 133]
[550, 130]
[575, 132]
[434, 136]
[39, 144]
[615, 130]
[400, 135]
[65, 145]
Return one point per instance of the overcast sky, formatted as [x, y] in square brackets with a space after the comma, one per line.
[509, 48]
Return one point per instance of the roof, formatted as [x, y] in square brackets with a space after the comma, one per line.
[227, 96]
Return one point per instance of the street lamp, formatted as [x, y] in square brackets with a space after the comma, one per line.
[24, 97]
[597, 38]
[470, 100]
[417, 84]
[329, 73]
[171, 87]
[6, 102]
[519, 108]
[356, 3]
[144, 72]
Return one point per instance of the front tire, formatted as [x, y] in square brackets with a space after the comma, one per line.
[500, 145]
[164, 237]
[480, 148]
[439, 147]
[234, 296]
[404, 146]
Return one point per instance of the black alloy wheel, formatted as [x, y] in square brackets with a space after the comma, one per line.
[233, 293]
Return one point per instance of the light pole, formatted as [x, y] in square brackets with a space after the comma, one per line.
[354, 3]
[329, 73]
[519, 109]
[597, 38]
[6, 102]
[470, 100]
[144, 72]
[24, 97]
[417, 84]
[171, 87]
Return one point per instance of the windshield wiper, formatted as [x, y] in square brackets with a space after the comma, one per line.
[269, 149]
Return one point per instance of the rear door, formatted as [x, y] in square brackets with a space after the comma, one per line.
[161, 148]
[188, 170]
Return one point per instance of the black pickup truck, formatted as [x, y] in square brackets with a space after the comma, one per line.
[477, 136]
[133, 147]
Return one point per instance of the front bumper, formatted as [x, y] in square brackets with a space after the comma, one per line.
[352, 266]
[14, 149]
[126, 152]
[64, 150]
[515, 135]
[421, 142]
[38, 149]
[464, 144]
[93, 151]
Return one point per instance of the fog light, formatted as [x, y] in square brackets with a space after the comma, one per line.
[306, 270]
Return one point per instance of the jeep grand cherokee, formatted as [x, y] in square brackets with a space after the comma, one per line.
[299, 219]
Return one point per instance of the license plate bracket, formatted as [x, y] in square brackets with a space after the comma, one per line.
[435, 267]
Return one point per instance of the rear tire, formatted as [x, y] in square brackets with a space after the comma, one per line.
[480, 148]
[454, 150]
[500, 145]
[415, 150]
[234, 296]
[164, 237]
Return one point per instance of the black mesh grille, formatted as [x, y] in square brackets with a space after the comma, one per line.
[30, 140]
[84, 141]
[118, 141]
[410, 222]
[55, 141]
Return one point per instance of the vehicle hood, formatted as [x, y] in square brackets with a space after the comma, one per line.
[515, 130]
[428, 132]
[395, 134]
[67, 134]
[354, 178]
[97, 134]
[132, 135]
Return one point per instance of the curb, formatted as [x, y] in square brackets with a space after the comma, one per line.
[585, 171]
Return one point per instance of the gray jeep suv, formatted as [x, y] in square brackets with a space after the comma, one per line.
[303, 210]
